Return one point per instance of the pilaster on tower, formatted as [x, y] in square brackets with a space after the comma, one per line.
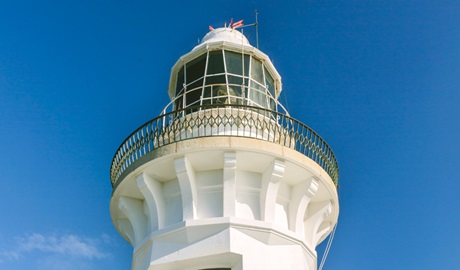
[224, 178]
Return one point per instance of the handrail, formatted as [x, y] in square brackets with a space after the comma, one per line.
[223, 120]
[242, 100]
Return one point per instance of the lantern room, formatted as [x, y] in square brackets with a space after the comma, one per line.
[224, 69]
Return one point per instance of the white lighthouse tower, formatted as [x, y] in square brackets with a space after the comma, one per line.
[224, 178]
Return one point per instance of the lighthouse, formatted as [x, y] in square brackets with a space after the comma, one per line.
[224, 177]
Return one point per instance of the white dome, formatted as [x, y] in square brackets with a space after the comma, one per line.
[224, 34]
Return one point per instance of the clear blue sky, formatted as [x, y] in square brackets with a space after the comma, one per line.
[378, 80]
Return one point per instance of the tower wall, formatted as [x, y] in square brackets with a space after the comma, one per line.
[231, 202]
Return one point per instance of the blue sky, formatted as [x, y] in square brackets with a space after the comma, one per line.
[378, 80]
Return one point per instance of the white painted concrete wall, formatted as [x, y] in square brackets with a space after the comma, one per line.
[230, 202]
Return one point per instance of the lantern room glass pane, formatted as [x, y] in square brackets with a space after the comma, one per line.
[193, 93]
[256, 70]
[193, 86]
[215, 63]
[236, 94]
[236, 88]
[235, 80]
[258, 94]
[195, 68]
[178, 103]
[207, 92]
[233, 61]
[215, 80]
[272, 104]
[220, 94]
[180, 81]
[211, 84]
[193, 98]
[270, 83]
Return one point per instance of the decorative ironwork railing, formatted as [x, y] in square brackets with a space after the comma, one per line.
[223, 120]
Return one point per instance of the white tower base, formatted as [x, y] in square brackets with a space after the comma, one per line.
[224, 203]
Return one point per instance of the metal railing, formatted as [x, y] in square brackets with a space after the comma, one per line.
[233, 94]
[223, 120]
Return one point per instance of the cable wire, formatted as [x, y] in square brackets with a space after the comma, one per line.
[328, 247]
